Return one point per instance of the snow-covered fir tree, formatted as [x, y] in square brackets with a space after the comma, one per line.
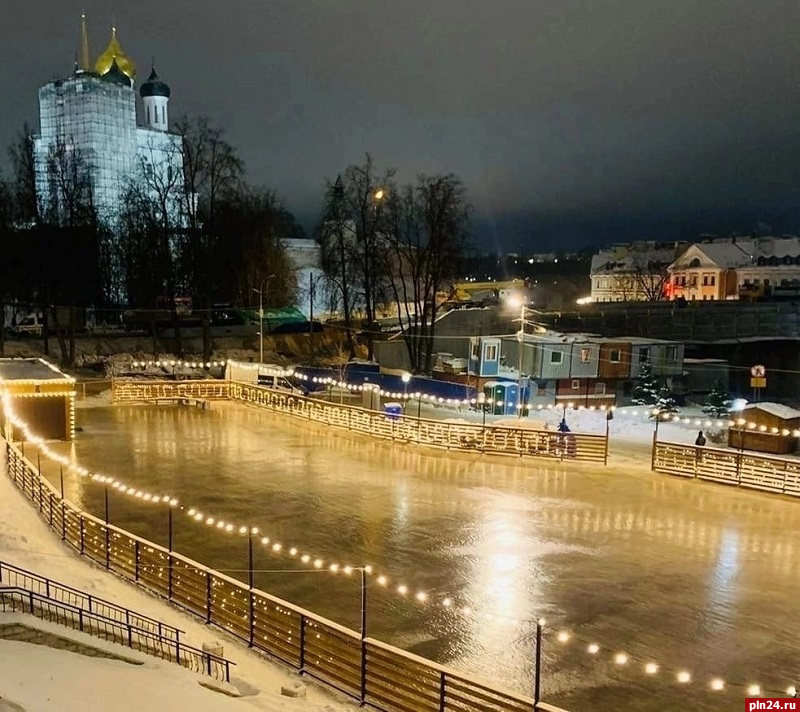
[665, 403]
[646, 390]
[718, 402]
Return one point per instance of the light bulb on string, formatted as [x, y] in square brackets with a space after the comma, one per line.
[650, 668]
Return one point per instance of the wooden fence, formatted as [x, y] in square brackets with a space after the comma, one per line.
[731, 467]
[468, 437]
[378, 675]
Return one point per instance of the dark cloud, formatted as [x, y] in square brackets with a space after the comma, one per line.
[569, 120]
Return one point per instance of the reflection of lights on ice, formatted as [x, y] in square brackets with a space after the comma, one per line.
[503, 563]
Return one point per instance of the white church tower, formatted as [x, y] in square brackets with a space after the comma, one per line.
[155, 96]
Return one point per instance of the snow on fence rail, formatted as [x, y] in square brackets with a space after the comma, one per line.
[731, 467]
[470, 437]
[12, 576]
[373, 672]
[16, 599]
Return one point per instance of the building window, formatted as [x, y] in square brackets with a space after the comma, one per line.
[556, 357]
[644, 355]
[672, 353]
[713, 280]
[576, 384]
[476, 349]
[541, 388]
[600, 389]
[615, 356]
[585, 355]
[490, 352]
[705, 280]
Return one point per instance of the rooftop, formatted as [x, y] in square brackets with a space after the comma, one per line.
[781, 411]
[29, 369]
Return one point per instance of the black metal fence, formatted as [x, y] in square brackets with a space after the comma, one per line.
[16, 599]
[366, 669]
[14, 577]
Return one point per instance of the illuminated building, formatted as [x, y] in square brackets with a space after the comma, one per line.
[88, 124]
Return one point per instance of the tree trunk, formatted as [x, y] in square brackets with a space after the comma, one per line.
[154, 335]
[45, 331]
[62, 343]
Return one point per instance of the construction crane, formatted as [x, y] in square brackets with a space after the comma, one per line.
[485, 293]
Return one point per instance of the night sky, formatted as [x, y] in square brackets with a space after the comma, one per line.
[571, 122]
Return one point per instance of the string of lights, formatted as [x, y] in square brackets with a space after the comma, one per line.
[651, 668]
[649, 413]
[318, 564]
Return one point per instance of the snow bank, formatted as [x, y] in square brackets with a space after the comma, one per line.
[27, 542]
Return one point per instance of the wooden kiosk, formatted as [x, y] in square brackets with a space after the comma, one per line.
[39, 395]
[768, 427]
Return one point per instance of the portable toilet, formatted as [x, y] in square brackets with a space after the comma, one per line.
[371, 397]
[393, 410]
[501, 397]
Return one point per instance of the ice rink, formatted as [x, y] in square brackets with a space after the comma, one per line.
[692, 576]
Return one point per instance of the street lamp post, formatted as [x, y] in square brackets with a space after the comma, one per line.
[482, 404]
[406, 378]
[363, 633]
[519, 301]
[657, 414]
[537, 680]
[260, 293]
[260, 322]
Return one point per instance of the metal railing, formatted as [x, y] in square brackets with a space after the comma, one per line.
[376, 674]
[17, 599]
[468, 437]
[14, 577]
[732, 467]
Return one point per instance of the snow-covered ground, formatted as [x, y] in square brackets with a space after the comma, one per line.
[34, 678]
[630, 424]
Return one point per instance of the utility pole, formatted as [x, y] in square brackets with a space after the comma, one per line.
[311, 313]
[521, 344]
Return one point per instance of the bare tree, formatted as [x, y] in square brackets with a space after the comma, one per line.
[336, 237]
[23, 164]
[67, 237]
[351, 230]
[250, 255]
[156, 191]
[426, 229]
[650, 276]
[212, 172]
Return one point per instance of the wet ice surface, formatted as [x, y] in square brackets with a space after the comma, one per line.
[690, 575]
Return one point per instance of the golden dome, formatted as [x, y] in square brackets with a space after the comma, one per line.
[112, 52]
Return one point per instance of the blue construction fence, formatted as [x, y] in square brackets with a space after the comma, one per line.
[357, 374]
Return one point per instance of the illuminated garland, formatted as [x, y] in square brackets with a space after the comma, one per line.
[650, 413]
[620, 659]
